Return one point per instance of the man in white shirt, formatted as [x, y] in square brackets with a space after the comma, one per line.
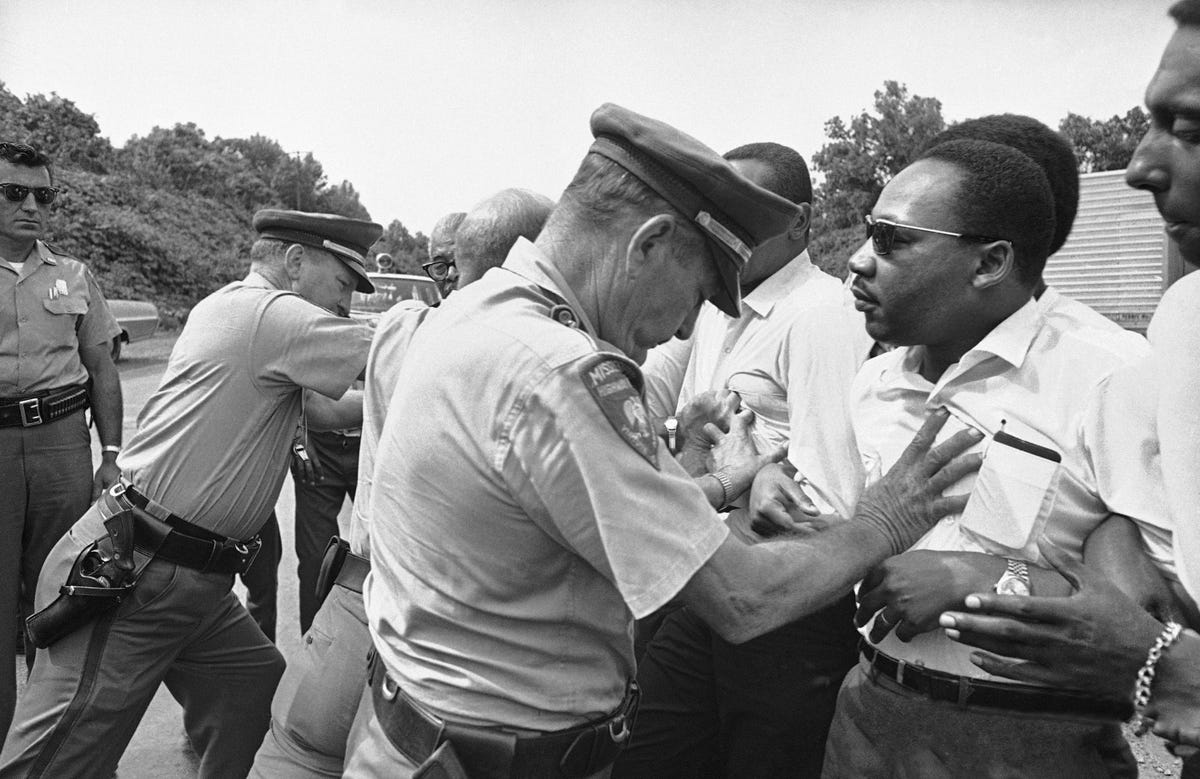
[958, 240]
[791, 357]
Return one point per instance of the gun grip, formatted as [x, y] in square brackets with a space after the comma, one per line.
[120, 532]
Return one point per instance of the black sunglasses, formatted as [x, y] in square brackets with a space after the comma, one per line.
[883, 234]
[438, 270]
[16, 193]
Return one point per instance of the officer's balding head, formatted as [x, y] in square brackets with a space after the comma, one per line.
[491, 228]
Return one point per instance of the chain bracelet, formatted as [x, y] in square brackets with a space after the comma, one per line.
[1145, 676]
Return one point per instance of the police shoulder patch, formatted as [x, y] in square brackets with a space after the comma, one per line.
[610, 379]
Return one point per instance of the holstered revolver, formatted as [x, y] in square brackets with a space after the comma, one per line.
[103, 573]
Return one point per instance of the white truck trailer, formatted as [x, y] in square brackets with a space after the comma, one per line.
[1117, 259]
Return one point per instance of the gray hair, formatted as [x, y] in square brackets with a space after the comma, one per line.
[494, 225]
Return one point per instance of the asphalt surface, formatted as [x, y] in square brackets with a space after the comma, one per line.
[159, 749]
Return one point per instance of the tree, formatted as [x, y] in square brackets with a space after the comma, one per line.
[1105, 145]
[408, 251]
[57, 127]
[865, 152]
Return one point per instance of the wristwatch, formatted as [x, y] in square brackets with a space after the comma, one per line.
[1015, 580]
[672, 426]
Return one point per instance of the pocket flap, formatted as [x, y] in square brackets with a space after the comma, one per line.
[65, 305]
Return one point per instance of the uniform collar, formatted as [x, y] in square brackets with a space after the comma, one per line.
[776, 287]
[44, 254]
[531, 264]
[256, 279]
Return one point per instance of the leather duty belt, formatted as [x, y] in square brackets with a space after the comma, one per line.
[354, 569]
[966, 691]
[43, 407]
[175, 539]
[493, 752]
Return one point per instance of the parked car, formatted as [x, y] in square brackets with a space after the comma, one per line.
[138, 320]
[390, 289]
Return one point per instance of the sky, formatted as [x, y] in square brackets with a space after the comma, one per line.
[428, 106]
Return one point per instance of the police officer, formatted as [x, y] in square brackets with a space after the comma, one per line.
[55, 331]
[319, 693]
[532, 512]
[199, 479]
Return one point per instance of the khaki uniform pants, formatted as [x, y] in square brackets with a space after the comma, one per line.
[315, 704]
[89, 690]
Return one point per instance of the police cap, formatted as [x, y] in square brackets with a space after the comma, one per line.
[732, 212]
[345, 238]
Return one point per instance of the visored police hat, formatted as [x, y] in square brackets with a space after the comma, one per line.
[732, 212]
[347, 239]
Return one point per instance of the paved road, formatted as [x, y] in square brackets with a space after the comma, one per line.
[159, 749]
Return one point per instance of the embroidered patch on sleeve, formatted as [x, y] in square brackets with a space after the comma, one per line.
[606, 378]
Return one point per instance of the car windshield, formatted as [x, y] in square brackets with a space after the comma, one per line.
[391, 290]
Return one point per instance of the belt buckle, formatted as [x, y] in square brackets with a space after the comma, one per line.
[31, 412]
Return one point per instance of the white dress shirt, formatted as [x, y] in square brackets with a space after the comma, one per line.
[1029, 376]
[791, 357]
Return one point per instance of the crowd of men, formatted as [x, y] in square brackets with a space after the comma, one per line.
[647, 495]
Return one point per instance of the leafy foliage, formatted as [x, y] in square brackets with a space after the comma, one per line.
[167, 217]
[1108, 144]
[865, 152]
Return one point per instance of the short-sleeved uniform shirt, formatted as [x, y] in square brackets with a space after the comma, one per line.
[47, 312]
[393, 334]
[523, 512]
[791, 357]
[213, 440]
[1030, 376]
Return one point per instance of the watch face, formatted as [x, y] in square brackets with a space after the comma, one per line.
[1011, 585]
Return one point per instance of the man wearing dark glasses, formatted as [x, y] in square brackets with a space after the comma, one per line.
[441, 267]
[55, 331]
[955, 250]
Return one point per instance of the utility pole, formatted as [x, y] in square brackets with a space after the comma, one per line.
[299, 169]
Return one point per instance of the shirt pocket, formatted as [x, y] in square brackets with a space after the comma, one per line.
[65, 305]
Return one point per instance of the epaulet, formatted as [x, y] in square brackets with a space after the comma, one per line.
[615, 383]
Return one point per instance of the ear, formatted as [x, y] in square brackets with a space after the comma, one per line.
[293, 259]
[798, 231]
[650, 244]
[997, 261]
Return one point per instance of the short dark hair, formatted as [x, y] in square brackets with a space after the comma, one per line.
[1047, 148]
[26, 156]
[1186, 13]
[789, 179]
[1004, 194]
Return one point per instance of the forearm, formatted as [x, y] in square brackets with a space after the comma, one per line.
[714, 491]
[327, 414]
[759, 588]
[107, 405]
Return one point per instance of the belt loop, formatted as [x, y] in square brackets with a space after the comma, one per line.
[964, 690]
[213, 554]
[900, 665]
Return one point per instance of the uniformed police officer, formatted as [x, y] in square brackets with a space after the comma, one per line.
[200, 477]
[55, 332]
[319, 693]
[531, 510]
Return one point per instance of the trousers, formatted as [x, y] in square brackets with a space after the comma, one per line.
[317, 698]
[885, 730]
[711, 708]
[317, 507]
[88, 691]
[45, 485]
